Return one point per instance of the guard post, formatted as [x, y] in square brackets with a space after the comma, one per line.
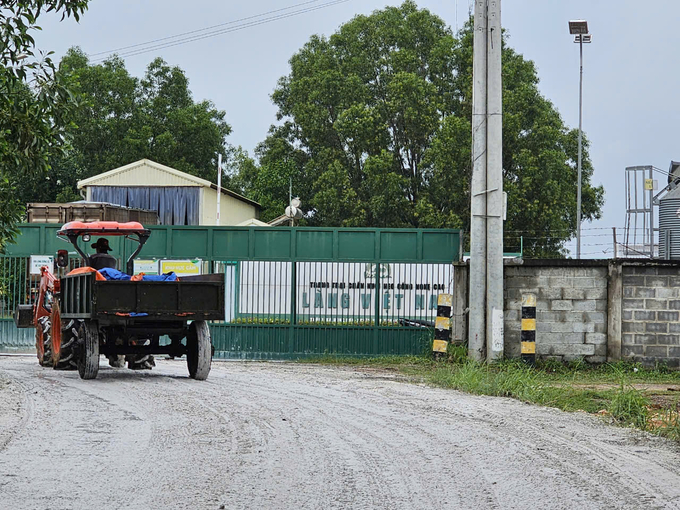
[442, 325]
[528, 331]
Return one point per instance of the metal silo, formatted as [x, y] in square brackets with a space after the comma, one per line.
[669, 225]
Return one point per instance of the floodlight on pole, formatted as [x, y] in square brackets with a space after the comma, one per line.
[579, 29]
[578, 26]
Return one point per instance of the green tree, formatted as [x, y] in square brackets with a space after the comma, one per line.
[121, 119]
[278, 154]
[377, 117]
[35, 104]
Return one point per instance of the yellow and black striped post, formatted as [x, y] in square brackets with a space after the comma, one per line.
[528, 332]
[442, 325]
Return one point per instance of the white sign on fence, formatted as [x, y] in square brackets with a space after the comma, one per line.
[146, 266]
[405, 290]
[38, 261]
[339, 290]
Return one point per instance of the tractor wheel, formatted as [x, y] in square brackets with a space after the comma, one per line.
[140, 361]
[43, 342]
[64, 341]
[199, 350]
[117, 360]
[88, 349]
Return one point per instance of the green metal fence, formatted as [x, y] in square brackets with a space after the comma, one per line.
[263, 243]
[15, 287]
[281, 310]
[19, 284]
[290, 292]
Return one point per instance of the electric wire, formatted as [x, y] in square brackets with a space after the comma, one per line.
[567, 230]
[153, 41]
[592, 245]
[172, 41]
[665, 172]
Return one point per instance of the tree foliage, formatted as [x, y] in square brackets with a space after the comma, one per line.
[35, 104]
[121, 119]
[375, 122]
[268, 182]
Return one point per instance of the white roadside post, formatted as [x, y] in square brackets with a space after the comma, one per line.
[476, 321]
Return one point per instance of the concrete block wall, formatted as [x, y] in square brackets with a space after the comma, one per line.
[600, 310]
[650, 314]
[571, 308]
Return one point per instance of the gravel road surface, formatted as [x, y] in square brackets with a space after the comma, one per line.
[274, 435]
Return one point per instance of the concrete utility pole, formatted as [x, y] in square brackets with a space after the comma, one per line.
[494, 184]
[486, 222]
[477, 322]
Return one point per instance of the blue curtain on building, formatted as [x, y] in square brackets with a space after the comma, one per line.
[110, 194]
[155, 195]
[138, 198]
[192, 195]
[176, 205]
[179, 207]
[165, 207]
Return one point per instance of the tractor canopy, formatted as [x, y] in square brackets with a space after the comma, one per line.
[131, 230]
[103, 228]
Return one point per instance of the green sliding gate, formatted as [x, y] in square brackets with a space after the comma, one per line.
[290, 292]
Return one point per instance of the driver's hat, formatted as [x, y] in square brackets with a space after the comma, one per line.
[101, 244]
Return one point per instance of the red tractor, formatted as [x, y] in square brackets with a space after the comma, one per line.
[87, 313]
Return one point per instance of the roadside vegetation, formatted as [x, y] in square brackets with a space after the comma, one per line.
[622, 393]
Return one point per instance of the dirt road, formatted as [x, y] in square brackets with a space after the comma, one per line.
[298, 436]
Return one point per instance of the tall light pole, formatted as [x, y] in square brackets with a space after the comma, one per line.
[579, 29]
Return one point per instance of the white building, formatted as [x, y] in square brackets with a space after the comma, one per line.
[179, 198]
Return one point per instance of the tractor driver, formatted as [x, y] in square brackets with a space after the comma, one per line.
[102, 259]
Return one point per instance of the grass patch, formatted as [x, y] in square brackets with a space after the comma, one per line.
[609, 372]
[666, 423]
[515, 380]
[629, 407]
[564, 386]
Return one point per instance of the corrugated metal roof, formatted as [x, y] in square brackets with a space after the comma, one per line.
[122, 175]
[671, 195]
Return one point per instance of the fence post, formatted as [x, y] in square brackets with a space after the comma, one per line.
[293, 291]
[378, 296]
[293, 306]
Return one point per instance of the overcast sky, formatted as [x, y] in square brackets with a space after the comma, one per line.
[630, 99]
